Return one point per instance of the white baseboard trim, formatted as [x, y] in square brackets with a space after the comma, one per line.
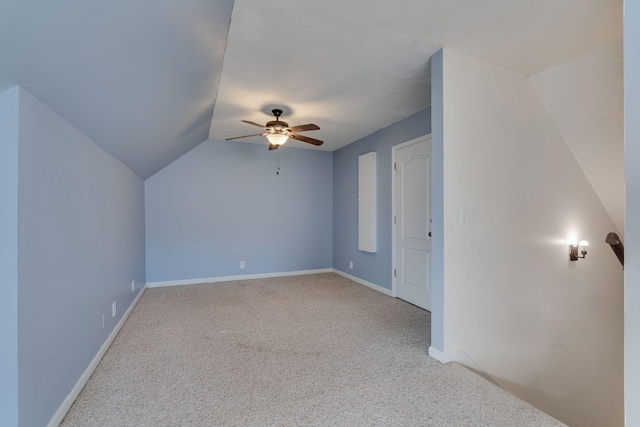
[440, 356]
[58, 416]
[364, 282]
[233, 278]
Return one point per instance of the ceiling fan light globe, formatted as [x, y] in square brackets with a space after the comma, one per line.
[277, 138]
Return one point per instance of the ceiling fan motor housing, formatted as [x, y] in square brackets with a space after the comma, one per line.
[277, 125]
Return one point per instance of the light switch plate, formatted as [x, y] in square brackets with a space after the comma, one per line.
[468, 217]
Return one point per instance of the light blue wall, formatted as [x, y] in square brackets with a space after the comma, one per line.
[223, 203]
[632, 215]
[437, 201]
[80, 244]
[9, 257]
[372, 267]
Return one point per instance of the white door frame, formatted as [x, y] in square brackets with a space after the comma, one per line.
[393, 204]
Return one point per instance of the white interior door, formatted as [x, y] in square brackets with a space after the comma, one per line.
[413, 222]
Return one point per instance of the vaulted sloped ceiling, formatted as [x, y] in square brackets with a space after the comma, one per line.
[141, 77]
[138, 77]
[585, 98]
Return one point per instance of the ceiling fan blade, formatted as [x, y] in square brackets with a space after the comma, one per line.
[303, 128]
[254, 124]
[245, 136]
[306, 139]
[273, 147]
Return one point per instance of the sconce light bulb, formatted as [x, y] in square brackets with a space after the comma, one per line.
[583, 243]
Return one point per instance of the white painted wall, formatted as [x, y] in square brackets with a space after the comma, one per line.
[549, 330]
[585, 99]
[632, 229]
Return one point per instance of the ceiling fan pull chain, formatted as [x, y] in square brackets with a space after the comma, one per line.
[278, 162]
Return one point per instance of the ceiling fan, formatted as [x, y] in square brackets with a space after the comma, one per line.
[278, 132]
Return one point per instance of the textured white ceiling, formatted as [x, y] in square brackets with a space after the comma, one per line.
[355, 67]
[585, 98]
[138, 77]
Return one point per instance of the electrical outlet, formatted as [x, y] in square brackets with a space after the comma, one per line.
[133, 286]
[113, 309]
[241, 265]
[351, 265]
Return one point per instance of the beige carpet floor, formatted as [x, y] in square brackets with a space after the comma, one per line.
[315, 350]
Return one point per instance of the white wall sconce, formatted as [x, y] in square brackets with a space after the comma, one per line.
[580, 247]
